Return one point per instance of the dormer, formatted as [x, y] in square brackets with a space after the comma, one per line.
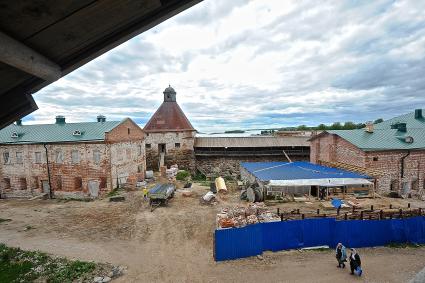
[77, 133]
[14, 135]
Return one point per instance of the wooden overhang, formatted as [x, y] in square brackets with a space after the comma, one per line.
[42, 41]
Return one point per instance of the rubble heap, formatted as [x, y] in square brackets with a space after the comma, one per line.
[240, 216]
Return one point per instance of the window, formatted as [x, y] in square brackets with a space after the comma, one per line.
[96, 156]
[37, 155]
[78, 183]
[19, 157]
[128, 130]
[6, 158]
[75, 157]
[6, 184]
[394, 185]
[22, 183]
[177, 145]
[375, 158]
[415, 185]
[58, 182]
[148, 146]
[139, 150]
[59, 157]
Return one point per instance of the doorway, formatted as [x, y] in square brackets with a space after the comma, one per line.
[45, 186]
[161, 149]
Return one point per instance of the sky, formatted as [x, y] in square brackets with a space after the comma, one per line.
[257, 64]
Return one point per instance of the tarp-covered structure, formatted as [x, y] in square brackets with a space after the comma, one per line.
[301, 176]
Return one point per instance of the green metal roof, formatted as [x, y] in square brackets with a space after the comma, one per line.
[385, 138]
[51, 133]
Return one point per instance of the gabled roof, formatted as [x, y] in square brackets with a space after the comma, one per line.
[384, 137]
[168, 118]
[51, 133]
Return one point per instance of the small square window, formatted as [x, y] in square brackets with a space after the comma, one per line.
[75, 157]
[6, 158]
[177, 145]
[96, 156]
[37, 157]
[375, 158]
[59, 157]
[19, 157]
[148, 145]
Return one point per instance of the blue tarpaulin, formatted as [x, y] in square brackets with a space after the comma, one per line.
[252, 240]
[266, 171]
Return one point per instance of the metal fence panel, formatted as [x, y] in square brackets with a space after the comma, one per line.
[275, 236]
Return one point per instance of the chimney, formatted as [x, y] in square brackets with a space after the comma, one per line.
[369, 127]
[60, 119]
[418, 114]
[19, 122]
[101, 118]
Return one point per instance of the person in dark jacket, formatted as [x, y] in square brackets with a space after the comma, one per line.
[341, 255]
[355, 261]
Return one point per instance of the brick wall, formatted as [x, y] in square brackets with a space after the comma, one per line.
[98, 164]
[126, 143]
[333, 148]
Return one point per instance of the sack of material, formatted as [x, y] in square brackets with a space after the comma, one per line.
[358, 271]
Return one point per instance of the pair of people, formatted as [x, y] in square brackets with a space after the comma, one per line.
[355, 262]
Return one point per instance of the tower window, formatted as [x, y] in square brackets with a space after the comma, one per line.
[128, 130]
[177, 145]
[148, 146]
[375, 158]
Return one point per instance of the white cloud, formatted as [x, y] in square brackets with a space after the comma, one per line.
[257, 64]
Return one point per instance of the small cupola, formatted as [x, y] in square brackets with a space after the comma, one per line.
[101, 118]
[169, 94]
[60, 119]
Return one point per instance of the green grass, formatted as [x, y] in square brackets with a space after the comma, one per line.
[198, 177]
[112, 193]
[204, 183]
[404, 245]
[17, 265]
[182, 175]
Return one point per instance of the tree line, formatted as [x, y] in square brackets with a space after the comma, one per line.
[335, 126]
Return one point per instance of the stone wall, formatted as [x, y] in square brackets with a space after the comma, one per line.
[229, 166]
[179, 149]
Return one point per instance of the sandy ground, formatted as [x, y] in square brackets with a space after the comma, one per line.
[175, 243]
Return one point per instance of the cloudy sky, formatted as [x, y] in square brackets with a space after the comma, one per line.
[258, 64]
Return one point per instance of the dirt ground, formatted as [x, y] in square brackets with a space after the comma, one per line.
[175, 243]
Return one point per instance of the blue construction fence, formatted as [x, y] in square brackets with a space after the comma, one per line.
[254, 239]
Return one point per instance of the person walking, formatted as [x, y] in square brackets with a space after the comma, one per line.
[355, 263]
[145, 193]
[341, 255]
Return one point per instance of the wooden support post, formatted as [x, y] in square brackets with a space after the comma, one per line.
[420, 211]
[278, 211]
[302, 216]
[345, 216]
[353, 208]
[408, 205]
[401, 213]
[298, 211]
[26, 59]
[381, 214]
[371, 207]
[318, 211]
[361, 215]
[281, 217]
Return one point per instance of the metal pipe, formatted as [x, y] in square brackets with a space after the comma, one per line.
[48, 173]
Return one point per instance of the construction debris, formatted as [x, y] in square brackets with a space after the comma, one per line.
[240, 216]
[117, 198]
